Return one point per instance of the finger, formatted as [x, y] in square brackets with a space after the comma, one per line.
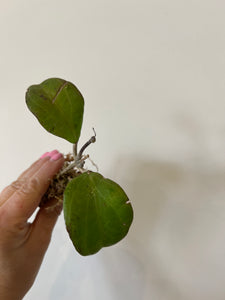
[26, 199]
[44, 223]
[14, 186]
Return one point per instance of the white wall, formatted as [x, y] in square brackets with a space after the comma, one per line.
[153, 76]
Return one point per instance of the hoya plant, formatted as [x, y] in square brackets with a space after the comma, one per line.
[97, 211]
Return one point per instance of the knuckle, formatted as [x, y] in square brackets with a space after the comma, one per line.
[26, 186]
[30, 186]
[33, 184]
[17, 184]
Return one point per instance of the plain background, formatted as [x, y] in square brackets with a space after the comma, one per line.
[153, 77]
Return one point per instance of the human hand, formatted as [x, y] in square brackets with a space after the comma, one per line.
[22, 244]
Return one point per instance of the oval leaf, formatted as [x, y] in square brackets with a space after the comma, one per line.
[58, 106]
[97, 212]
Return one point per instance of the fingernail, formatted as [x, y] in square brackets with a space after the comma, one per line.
[45, 155]
[55, 155]
[53, 152]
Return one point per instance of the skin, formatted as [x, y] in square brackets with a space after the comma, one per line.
[23, 244]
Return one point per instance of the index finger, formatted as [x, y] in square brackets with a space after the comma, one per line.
[22, 203]
[15, 185]
[9, 190]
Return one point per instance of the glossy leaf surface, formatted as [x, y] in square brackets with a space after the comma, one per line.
[97, 212]
[58, 106]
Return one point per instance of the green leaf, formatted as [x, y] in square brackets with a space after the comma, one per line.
[97, 212]
[58, 106]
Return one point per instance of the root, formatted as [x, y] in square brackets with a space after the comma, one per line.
[60, 181]
[73, 167]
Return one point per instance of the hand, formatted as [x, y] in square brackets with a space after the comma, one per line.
[22, 244]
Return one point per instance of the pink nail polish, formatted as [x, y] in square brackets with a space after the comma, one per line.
[53, 152]
[45, 155]
[56, 156]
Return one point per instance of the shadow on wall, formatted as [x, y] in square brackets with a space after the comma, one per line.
[175, 248]
[178, 229]
[148, 185]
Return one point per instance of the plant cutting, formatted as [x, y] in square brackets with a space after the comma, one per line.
[97, 211]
